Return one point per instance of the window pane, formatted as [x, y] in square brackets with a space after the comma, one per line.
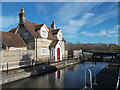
[44, 51]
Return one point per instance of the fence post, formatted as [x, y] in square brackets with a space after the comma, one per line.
[19, 55]
[7, 68]
[2, 59]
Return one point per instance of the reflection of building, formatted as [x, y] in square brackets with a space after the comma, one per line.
[47, 42]
[60, 75]
[59, 78]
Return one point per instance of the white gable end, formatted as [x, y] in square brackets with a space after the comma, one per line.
[44, 31]
[59, 35]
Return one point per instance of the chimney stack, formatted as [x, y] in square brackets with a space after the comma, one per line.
[22, 15]
[53, 25]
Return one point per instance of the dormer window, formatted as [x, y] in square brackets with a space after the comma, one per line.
[44, 33]
[59, 36]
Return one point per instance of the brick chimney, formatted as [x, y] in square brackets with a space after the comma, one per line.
[53, 25]
[22, 15]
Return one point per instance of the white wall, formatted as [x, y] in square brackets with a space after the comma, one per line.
[77, 53]
[43, 43]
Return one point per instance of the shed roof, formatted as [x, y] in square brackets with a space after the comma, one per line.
[12, 39]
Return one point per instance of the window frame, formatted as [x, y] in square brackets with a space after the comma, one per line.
[44, 51]
[44, 33]
[26, 34]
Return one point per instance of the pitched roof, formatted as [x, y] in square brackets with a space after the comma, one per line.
[51, 36]
[12, 39]
[39, 26]
[55, 31]
[63, 40]
[50, 28]
[31, 26]
[53, 43]
[13, 30]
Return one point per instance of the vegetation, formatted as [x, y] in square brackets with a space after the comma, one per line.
[93, 47]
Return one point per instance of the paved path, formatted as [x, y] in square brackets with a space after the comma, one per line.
[107, 78]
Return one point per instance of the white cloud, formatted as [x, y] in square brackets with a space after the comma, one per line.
[103, 32]
[70, 11]
[103, 17]
[73, 16]
[88, 33]
[74, 25]
[117, 27]
[81, 21]
[8, 21]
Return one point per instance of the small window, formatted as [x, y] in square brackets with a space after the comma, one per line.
[59, 36]
[18, 49]
[44, 51]
[44, 33]
[26, 34]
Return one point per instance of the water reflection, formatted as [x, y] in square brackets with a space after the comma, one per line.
[69, 77]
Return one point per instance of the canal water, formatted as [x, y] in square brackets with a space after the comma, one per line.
[69, 77]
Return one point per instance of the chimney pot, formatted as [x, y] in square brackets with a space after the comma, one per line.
[53, 25]
[22, 15]
[22, 9]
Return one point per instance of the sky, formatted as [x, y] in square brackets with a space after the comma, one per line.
[81, 22]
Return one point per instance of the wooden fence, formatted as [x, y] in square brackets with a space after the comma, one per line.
[11, 59]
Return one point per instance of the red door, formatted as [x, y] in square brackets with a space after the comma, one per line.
[58, 54]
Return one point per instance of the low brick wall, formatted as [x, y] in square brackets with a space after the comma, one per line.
[65, 63]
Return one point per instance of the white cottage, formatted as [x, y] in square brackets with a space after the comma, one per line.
[48, 43]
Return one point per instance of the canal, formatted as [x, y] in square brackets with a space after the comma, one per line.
[69, 77]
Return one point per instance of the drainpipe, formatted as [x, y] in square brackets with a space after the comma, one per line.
[36, 48]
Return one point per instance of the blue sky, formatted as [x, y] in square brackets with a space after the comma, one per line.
[81, 22]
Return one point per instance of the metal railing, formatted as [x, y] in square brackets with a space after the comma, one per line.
[118, 82]
[91, 77]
